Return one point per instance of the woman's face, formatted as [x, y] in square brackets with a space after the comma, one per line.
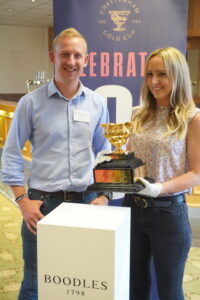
[158, 81]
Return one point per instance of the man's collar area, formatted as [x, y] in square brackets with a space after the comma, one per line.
[53, 90]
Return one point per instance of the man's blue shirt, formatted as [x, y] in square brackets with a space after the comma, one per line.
[65, 137]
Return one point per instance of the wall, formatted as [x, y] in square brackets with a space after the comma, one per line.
[193, 46]
[194, 18]
[24, 51]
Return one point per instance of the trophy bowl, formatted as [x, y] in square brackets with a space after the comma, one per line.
[117, 134]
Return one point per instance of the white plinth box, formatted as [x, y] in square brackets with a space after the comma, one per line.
[83, 253]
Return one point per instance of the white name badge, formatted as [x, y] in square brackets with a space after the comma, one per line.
[81, 116]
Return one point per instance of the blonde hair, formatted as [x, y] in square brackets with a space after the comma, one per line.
[71, 33]
[181, 101]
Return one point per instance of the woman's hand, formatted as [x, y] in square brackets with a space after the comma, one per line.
[150, 189]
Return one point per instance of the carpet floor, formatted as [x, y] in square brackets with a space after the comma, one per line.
[11, 263]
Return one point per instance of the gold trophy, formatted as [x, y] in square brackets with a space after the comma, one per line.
[117, 134]
[118, 174]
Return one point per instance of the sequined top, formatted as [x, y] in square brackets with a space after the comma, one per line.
[166, 157]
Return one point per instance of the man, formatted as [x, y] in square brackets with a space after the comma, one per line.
[62, 120]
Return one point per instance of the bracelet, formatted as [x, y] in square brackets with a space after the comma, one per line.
[21, 197]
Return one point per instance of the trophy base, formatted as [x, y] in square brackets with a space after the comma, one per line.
[121, 169]
[118, 188]
[118, 174]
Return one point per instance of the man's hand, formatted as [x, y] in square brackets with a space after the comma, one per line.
[150, 189]
[101, 157]
[101, 200]
[30, 210]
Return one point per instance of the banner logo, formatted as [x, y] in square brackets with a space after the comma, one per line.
[119, 18]
[127, 17]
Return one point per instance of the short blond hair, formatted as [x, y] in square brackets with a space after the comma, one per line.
[71, 33]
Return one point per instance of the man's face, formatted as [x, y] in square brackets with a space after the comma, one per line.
[69, 58]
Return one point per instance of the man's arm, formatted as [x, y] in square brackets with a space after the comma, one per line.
[12, 160]
[30, 209]
[100, 143]
[13, 164]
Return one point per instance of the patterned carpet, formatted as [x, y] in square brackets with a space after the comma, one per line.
[11, 264]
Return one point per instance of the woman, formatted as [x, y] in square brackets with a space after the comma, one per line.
[166, 136]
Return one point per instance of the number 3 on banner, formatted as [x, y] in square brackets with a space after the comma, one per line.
[123, 100]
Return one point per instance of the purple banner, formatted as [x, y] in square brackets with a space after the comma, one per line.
[120, 35]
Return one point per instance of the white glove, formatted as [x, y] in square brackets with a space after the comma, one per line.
[150, 189]
[101, 157]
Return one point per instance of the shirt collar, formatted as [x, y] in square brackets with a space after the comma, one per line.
[52, 90]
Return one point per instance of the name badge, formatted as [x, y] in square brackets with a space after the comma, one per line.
[81, 116]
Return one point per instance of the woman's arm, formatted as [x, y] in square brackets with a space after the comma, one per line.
[187, 180]
[192, 177]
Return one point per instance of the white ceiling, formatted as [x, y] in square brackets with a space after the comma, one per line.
[26, 13]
